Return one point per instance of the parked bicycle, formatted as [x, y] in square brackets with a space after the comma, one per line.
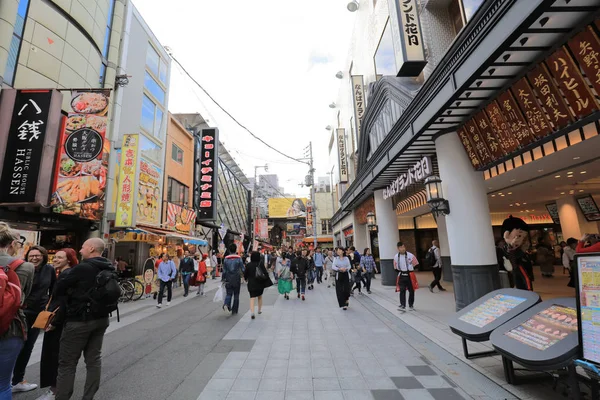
[127, 290]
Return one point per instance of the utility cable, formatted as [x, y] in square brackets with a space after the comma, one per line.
[228, 113]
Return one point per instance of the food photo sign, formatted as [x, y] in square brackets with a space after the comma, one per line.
[148, 200]
[82, 162]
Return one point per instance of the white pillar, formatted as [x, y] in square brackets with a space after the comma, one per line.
[360, 234]
[572, 221]
[469, 225]
[444, 248]
[387, 235]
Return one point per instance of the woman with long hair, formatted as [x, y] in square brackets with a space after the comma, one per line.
[258, 279]
[342, 267]
[63, 260]
[13, 339]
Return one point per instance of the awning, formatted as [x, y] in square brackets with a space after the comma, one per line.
[185, 238]
[135, 235]
[324, 239]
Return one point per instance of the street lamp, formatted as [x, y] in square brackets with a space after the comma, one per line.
[372, 221]
[339, 75]
[435, 197]
[332, 105]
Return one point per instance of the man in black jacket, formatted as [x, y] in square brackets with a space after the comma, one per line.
[299, 268]
[84, 330]
[186, 268]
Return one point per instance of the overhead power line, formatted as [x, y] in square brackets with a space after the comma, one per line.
[228, 113]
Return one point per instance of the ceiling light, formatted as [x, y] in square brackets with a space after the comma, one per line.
[576, 158]
[352, 5]
[332, 105]
[509, 192]
[518, 204]
[540, 170]
[569, 176]
[562, 192]
[580, 190]
[557, 176]
[510, 205]
[500, 193]
[524, 203]
[493, 195]
[570, 173]
[583, 172]
[339, 75]
[512, 180]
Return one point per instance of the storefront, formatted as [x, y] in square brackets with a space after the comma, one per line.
[509, 117]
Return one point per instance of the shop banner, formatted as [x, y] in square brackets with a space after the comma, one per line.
[309, 219]
[127, 177]
[342, 159]
[261, 228]
[29, 144]
[407, 37]
[208, 147]
[148, 200]
[358, 93]
[283, 207]
[180, 219]
[82, 162]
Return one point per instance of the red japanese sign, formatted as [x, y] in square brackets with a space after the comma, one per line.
[551, 99]
[586, 49]
[469, 148]
[481, 124]
[206, 172]
[507, 141]
[535, 116]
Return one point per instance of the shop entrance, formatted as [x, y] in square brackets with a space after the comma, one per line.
[424, 239]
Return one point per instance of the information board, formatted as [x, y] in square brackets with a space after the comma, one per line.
[491, 309]
[588, 302]
[546, 328]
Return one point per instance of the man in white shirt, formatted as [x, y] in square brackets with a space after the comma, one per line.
[436, 267]
[405, 263]
[568, 257]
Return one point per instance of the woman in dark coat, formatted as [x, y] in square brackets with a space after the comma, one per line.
[258, 279]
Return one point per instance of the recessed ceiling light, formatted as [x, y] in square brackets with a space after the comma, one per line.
[569, 176]
[583, 172]
[493, 195]
[501, 195]
[570, 173]
[557, 176]
[540, 170]
[524, 203]
[512, 180]
[562, 192]
[576, 158]
[509, 192]
[580, 190]
[510, 205]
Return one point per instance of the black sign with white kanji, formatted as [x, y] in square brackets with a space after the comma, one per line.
[25, 146]
[84, 145]
[207, 153]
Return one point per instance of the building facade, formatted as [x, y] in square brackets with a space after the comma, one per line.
[500, 113]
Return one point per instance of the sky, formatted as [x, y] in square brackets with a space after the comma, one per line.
[270, 63]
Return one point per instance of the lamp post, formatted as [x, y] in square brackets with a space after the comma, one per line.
[435, 196]
[371, 221]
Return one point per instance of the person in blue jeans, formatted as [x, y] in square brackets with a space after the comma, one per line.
[233, 268]
[186, 269]
[318, 258]
[167, 272]
[12, 340]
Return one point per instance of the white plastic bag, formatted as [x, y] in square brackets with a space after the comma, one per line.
[219, 295]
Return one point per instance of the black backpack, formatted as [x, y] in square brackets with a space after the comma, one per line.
[430, 257]
[104, 296]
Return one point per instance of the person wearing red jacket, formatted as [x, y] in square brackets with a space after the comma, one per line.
[201, 277]
[594, 246]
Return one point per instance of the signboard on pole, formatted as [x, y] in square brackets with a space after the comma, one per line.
[343, 160]
[358, 93]
[208, 168]
[407, 37]
[127, 180]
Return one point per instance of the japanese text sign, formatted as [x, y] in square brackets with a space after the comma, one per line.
[407, 37]
[535, 116]
[33, 130]
[82, 162]
[208, 168]
[551, 99]
[485, 141]
[127, 178]
[417, 173]
[149, 196]
[585, 46]
[502, 130]
[343, 160]
[358, 93]
[469, 148]
[518, 126]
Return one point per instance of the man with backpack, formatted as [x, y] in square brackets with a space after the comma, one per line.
[434, 259]
[233, 268]
[92, 292]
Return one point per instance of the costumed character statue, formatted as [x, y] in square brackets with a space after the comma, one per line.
[515, 232]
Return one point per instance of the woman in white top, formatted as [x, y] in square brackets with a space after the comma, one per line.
[405, 262]
[328, 263]
[341, 265]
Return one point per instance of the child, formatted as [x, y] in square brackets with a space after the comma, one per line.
[285, 277]
[357, 272]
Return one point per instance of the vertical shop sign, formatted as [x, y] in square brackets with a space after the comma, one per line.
[577, 92]
[534, 115]
[515, 119]
[407, 37]
[29, 146]
[466, 142]
[127, 177]
[148, 193]
[209, 162]
[358, 92]
[309, 219]
[343, 161]
[507, 141]
[478, 142]
[82, 162]
[551, 99]
[586, 49]
[487, 135]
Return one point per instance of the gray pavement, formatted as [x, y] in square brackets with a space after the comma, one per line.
[294, 350]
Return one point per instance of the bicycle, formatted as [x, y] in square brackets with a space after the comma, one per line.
[138, 288]
[127, 290]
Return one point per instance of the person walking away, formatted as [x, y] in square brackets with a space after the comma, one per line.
[311, 274]
[368, 264]
[233, 268]
[284, 275]
[43, 284]
[436, 266]
[355, 257]
[405, 262]
[328, 267]
[186, 269]
[341, 266]
[92, 292]
[63, 260]
[257, 276]
[319, 261]
[201, 277]
[568, 258]
[16, 279]
[167, 272]
[299, 268]
[545, 259]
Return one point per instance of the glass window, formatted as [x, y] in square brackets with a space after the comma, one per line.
[152, 60]
[163, 72]
[177, 192]
[177, 154]
[148, 109]
[471, 6]
[385, 62]
[456, 16]
[158, 123]
[15, 43]
[154, 88]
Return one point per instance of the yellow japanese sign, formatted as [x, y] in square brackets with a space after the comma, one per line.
[127, 176]
[283, 207]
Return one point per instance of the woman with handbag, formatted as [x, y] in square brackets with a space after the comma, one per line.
[63, 260]
[258, 279]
